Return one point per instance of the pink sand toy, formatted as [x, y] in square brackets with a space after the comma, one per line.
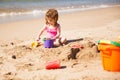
[77, 46]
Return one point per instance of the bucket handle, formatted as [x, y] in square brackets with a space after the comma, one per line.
[107, 53]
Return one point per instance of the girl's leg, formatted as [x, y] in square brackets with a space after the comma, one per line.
[60, 41]
[56, 42]
[63, 40]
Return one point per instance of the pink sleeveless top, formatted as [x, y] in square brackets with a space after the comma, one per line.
[51, 32]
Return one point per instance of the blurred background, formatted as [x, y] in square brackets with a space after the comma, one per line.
[12, 10]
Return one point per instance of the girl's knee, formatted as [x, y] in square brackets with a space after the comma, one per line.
[63, 40]
[56, 42]
[60, 41]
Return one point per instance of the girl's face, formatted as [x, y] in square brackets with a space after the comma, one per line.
[51, 21]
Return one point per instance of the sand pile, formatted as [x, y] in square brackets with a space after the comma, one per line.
[23, 57]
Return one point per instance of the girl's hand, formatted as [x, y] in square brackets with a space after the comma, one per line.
[53, 38]
[38, 39]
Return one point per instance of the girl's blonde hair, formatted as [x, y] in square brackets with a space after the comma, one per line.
[53, 14]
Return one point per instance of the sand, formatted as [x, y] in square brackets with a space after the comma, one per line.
[18, 61]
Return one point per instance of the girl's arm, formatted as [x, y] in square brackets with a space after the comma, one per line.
[41, 31]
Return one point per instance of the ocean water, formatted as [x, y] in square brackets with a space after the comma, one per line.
[12, 10]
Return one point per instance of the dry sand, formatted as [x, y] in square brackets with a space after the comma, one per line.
[18, 61]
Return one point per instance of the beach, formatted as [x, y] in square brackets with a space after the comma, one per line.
[18, 61]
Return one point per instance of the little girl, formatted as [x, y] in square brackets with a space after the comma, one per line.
[52, 28]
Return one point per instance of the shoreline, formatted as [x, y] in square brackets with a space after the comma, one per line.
[12, 16]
